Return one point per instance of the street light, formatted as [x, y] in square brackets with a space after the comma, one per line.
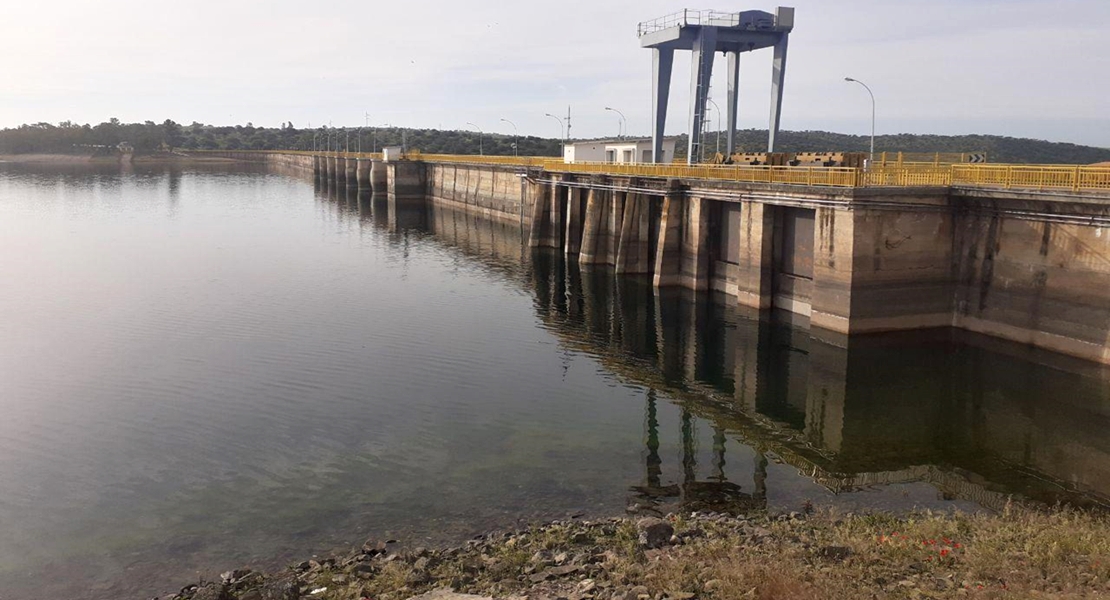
[718, 109]
[871, 156]
[516, 151]
[562, 134]
[620, 127]
[314, 140]
[480, 151]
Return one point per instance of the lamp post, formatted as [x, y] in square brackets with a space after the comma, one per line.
[480, 151]
[314, 140]
[871, 155]
[620, 127]
[718, 109]
[347, 139]
[562, 131]
[516, 151]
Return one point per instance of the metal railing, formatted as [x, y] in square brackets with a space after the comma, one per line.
[524, 161]
[823, 176]
[1041, 177]
[715, 18]
[929, 158]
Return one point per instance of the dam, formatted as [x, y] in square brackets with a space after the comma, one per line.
[1018, 252]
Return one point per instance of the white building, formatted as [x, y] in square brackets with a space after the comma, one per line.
[620, 151]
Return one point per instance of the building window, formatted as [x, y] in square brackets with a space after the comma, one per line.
[611, 156]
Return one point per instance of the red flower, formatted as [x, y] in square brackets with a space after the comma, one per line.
[944, 552]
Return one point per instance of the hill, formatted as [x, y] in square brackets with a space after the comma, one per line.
[149, 136]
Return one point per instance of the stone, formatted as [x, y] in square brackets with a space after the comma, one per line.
[229, 577]
[654, 533]
[212, 591]
[281, 590]
[448, 594]
[362, 570]
[713, 585]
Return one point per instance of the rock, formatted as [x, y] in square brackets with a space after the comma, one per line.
[230, 577]
[448, 594]
[561, 558]
[418, 577]
[654, 533]
[363, 570]
[586, 586]
[713, 585]
[281, 590]
[834, 552]
[581, 538]
[212, 591]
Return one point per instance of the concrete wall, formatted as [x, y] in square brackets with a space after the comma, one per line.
[1025, 266]
[1033, 280]
[495, 192]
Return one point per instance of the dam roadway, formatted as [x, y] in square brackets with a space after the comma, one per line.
[1019, 252]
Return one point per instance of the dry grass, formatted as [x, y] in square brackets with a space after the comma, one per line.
[1016, 554]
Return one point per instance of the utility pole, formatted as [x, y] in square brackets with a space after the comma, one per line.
[568, 123]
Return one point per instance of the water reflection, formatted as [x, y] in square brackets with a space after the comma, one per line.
[977, 418]
[248, 375]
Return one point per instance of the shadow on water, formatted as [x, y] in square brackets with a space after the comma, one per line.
[980, 419]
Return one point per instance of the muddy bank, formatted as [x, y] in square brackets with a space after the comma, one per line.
[1019, 553]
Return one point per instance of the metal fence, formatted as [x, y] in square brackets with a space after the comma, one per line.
[683, 18]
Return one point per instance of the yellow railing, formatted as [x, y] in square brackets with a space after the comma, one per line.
[1065, 177]
[823, 176]
[927, 158]
[526, 161]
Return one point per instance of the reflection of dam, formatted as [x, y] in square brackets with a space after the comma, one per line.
[978, 419]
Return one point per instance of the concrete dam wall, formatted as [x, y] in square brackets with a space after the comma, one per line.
[1028, 266]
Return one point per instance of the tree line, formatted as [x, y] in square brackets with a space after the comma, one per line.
[150, 137]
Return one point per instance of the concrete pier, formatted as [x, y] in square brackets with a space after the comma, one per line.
[362, 173]
[406, 182]
[350, 173]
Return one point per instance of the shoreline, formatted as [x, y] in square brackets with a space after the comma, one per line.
[83, 159]
[1020, 552]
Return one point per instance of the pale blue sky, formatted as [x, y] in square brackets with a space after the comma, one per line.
[1031, 68]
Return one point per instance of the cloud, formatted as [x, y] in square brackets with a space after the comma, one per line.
[1026, 67]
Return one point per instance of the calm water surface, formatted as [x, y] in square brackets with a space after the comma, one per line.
[214, 367]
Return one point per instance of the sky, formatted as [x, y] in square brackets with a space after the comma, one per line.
[1024, 68]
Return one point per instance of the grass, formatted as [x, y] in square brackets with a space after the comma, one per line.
[1020, 553]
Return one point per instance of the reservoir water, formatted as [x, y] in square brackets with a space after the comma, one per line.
[208, 367]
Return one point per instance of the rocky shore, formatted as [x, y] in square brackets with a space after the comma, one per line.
[1020, 553]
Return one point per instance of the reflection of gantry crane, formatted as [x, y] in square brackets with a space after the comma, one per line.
[715, 494]
[705, 32]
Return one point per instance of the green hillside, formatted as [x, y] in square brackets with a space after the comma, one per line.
[149, 137]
